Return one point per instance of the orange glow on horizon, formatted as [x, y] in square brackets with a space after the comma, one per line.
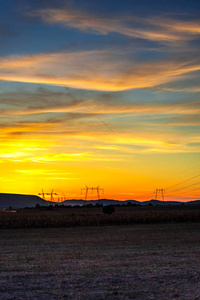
[116, 105]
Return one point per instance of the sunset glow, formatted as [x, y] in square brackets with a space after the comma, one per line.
[100, 96]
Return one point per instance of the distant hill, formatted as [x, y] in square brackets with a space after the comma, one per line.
[194, 202]
[157, 202]
[22, 201]
[105, 202]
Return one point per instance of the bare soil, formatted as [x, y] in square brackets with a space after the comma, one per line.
[154, 261]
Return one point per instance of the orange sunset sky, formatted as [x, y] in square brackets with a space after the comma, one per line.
[99, 94]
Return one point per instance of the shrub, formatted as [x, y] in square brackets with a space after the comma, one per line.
[109, 209]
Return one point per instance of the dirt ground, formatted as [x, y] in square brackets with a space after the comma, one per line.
[112, 262]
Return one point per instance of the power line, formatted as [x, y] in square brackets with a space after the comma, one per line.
[185, 187]
[170, 187]
[185, 192]
[182, 182]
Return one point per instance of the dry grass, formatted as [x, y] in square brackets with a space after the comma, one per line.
[83, 216]
[129, 262]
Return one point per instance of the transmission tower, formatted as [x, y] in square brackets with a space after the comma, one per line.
[43, 195]
[159, 192]
[87, 189]
[49, 194]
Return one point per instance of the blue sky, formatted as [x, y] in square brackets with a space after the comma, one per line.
[111, 84]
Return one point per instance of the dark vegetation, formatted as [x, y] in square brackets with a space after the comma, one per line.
[109, 209]
[65, 216]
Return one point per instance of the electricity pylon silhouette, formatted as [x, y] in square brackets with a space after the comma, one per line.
[51, 194]
[159, 192]
[43, 195]
[86, 189]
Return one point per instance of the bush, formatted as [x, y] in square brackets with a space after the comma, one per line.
[109, 209]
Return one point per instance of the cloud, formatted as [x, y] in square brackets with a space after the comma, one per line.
[186, 90]
[12, 155]
[47, 108]
[187, 26]
[59, 114]
[184, 120]
[73, 157]
[40, 101]
[148, 141]
[155, 29]
[95, 70]
[94, 144]
[66, 119]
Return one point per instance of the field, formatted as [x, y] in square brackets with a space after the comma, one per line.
[154, 261]
[94, 216]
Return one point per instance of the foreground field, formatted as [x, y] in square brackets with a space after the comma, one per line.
[94, 216]
[128, 262]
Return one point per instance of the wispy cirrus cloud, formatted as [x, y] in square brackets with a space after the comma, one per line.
[47, 107]
[95, 70]
[69, 118]
[151, 28]
[188, 27]
[93, 143]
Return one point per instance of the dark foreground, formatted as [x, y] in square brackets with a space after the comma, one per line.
[128, 262]
[47, 217]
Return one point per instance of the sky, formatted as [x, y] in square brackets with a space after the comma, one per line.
[100, 93]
